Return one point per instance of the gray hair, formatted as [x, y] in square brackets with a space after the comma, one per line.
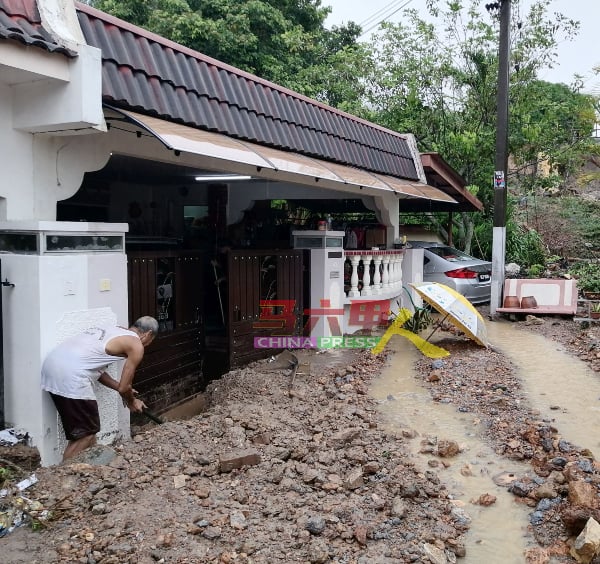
[147, 323]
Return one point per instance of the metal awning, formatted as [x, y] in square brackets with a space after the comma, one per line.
[274, 164]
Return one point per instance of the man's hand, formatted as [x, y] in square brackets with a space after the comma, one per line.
[136, 406]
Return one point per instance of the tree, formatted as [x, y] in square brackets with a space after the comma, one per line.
[283, 41]
[437, 79]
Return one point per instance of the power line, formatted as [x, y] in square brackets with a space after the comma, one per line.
[380, 12]
[385, 18]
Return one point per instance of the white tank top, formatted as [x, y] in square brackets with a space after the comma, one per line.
[72, 366]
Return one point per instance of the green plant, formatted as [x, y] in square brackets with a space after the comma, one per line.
[535, 271]
[5, 475]
[596, 307]
[420, 319]
[587, 275]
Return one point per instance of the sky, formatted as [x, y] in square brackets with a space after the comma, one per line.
[575, 57]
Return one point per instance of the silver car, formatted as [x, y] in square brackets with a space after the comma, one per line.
[466, 274]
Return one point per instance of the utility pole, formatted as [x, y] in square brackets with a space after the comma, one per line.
[501, 162]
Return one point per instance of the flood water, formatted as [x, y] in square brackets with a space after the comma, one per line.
[562, 388]
[497, 533]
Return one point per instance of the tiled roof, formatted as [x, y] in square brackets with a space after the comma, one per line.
[150, 74]
[20, 20]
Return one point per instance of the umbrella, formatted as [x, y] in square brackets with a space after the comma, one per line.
[455, 307]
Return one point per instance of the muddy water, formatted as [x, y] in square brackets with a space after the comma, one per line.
[497, 533]
[562, 388]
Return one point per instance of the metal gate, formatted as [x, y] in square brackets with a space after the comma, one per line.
[168, 285]
[254, 276]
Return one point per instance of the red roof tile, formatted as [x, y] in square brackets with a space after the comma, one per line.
[150, 74]
[20, 20]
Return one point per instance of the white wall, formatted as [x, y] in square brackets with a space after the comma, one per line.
[16, 172]
[54, 297]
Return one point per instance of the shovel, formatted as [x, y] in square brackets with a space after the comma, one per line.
[152, 416]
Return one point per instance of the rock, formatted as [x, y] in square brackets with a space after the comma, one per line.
[122, 548]
[371, 467]
[354, 480]
[434, 376]
[583, 494]
[97, 455]
[237, 520]
[360, 534]
[559, 462]
[179, 481]
[310, 476]
[587, 544]
[575, 518]
[447, 449]
[436, 555]
[409, 491]
[238, 458]
[262, 438]
[585, 465]
[99, 509]
[165, 540]
[202, 492]
[318, 553]
[466, 470]
[512, 270]
[520, 489]
[315, 525]
[536, 518]
[212, 533]
[545, 491]
[398, 507]
[485, 500]
[344, 437]
[564, 446]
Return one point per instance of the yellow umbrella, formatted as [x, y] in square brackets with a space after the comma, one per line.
[455, 307]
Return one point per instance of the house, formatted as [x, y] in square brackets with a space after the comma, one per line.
[137, 176]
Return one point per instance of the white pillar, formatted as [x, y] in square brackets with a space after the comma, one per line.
[55, 295]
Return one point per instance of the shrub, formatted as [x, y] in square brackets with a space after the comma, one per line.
[587, 275]
[535, 271]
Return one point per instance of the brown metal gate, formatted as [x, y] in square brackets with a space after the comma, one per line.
[254, 276]
[168, 286]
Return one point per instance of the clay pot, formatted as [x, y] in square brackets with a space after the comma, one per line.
[528, 302]
[511, 301]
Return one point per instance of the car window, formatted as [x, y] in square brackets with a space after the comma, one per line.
[450, 254]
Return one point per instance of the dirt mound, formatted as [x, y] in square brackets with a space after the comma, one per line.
[273, 471]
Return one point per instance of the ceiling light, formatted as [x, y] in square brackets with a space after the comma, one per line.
[221, 177]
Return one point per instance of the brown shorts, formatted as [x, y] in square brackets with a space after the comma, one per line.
[80, 417]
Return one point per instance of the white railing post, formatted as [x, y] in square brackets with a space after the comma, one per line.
[377, 275]
[354, 291]
[385, 275]
[399, 259]
[367, 289]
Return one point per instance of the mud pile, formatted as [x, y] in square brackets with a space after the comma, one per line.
[276, 470]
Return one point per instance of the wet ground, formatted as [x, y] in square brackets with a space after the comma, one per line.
[406, 403]
[356, 459]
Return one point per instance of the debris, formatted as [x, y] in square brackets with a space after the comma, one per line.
[10, 437]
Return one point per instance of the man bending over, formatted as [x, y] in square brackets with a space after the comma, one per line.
[69, 370]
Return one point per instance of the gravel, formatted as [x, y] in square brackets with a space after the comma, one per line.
[282, 469]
